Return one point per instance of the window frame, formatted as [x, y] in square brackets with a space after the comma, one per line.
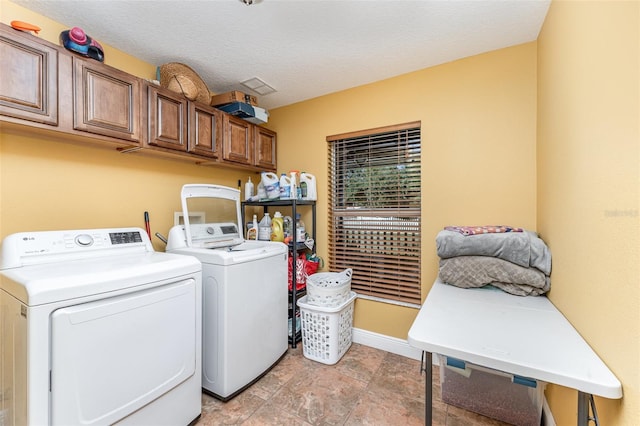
[381, 244]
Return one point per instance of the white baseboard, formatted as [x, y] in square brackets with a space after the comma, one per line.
[402, 347]
[386, 343]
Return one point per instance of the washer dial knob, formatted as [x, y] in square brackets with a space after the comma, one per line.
[84, 240]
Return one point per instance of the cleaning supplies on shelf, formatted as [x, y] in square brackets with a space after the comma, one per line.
[292, 186]
[271, 185]
[248, 190]
[264, 228]
[308, 186]
[277, 227]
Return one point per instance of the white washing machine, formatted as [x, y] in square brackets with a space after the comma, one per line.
[245, 290]
[97, 328]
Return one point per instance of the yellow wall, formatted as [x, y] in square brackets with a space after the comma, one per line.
[588, 187]
[542, 135]
[478, 149]
[48, 184]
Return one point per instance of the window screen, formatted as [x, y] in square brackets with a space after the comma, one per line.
[374, 211]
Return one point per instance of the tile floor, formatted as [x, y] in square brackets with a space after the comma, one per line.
[366, 387]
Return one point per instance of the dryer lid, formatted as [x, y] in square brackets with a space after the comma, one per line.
[211, 215]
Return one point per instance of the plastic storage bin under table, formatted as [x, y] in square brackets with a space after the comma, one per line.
[506, 397]
[327, 333]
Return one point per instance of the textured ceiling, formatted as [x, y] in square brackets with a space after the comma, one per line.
[302, 48]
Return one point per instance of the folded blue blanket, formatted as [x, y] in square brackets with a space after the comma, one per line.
[522, 248]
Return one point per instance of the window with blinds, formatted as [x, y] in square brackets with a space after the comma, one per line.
[374, 211]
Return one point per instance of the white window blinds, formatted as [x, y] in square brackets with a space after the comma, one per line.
[374, 211]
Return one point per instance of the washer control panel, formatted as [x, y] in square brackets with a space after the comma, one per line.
[214, 235]
[125, 237]
[46, 246]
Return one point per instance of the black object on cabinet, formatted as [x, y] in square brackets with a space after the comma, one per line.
[294, 248]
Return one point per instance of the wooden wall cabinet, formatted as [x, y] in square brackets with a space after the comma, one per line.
[205, 130]
[237, 140]
[44, 86]
[265, 148]
[47, 87]
[106, 100]
[178, 124]
[167, 119]
[248, 144]
[28, 78]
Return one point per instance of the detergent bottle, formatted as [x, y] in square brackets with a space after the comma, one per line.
[271, 185]
[264, 228]
[285, 187]
[308, 185]
[277, 227]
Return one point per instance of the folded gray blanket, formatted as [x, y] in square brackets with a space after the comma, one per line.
[522, 248]
[478, 271]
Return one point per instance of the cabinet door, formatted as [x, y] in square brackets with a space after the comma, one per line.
[237, 140]
[205, 130]
[265, 148]
[167, 119]
[106, 100]
[28, 78]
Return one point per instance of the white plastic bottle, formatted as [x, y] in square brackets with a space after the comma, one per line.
[264, 228]
[288, 225]
[293, 189]
[301, 232]
[285, 187]
[261, 193]
[271, 185]
[308, 185]
[252, 233]
[248, 190]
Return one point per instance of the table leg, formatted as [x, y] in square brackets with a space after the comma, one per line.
[428, 390]
[583, 409]
[586, 402]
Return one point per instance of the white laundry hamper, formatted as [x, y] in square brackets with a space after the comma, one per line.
[327, 332]
[329, 289]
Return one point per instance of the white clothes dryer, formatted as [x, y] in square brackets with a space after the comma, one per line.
[245, 290]
[97, 328]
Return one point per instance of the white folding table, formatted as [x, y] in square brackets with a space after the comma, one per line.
[526, 336]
